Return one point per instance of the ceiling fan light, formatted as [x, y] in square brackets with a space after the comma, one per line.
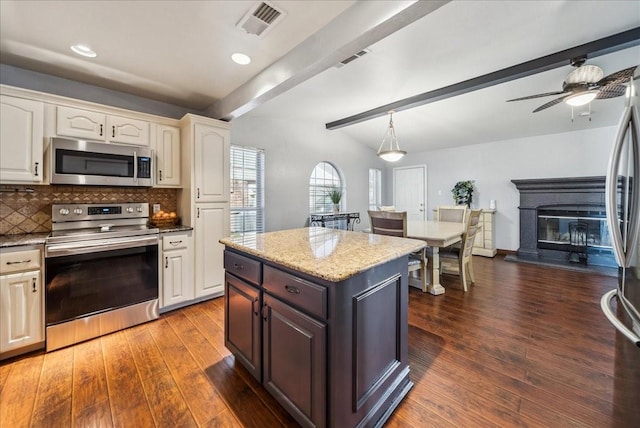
[581, 99]
[393, 153]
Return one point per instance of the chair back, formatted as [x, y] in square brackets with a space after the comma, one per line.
[455, 214]
[392, 223]
[473, 225]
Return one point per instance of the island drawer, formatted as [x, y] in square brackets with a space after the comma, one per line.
[243, 267]
[299, 292]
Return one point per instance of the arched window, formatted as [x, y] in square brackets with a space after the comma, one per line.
[323, 178]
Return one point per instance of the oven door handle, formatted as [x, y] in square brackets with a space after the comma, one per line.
[82, 247]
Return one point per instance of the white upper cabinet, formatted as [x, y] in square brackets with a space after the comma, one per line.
[167, 151]
[21, 140]
[80, 123]
[127, 130]
[211, 163]
[72, 122]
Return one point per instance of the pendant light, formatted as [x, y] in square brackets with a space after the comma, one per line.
[393, 154]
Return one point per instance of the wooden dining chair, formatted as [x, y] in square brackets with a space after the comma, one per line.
[458, 261]
[455, 213]
[394, 223]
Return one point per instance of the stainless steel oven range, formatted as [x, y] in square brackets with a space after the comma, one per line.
[101, 270]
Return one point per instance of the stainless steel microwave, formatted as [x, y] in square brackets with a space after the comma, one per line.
[99, 164]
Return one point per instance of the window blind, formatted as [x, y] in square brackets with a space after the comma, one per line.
[323, 177]
[247, 190]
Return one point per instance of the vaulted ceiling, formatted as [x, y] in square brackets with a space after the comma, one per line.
[179, 52]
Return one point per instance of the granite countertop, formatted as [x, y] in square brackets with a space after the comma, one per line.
[330, 254]
[26, 239]
[179, 228]
[40, 238]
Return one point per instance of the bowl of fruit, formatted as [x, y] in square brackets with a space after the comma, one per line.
[164, 219]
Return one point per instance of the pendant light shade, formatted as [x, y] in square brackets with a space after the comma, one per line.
[392, 153]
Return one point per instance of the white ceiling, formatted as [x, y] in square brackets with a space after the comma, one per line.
[179, 52]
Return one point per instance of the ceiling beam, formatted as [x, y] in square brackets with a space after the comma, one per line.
[358, 27]
[593, 49]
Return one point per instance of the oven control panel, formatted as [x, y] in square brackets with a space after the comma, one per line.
[77, 212]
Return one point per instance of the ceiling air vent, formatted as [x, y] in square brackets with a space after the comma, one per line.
[352, 57]
[261, 18]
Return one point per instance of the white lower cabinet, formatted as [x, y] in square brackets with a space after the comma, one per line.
[21, 302]
[177, 269]
[212, 222]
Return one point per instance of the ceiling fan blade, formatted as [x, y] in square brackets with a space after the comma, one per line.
[551, 103]
[618, 77]
[546, 94]
[611, 91]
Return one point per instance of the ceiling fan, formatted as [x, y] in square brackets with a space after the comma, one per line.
[586, 83]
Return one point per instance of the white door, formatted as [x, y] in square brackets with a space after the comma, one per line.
[409, 191]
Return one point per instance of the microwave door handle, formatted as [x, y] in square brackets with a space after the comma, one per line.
[135, 166]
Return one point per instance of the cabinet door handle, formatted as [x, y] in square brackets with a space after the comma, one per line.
[33, 284]
[255, 308]
[166, 262]
[175, 242]
[198, 193]
[19, 262]
[265, 311]
[292, 289]
[160, 174]
[198, 212]
[113, 131]
[101, 130]
[36, 169]
[238, 266]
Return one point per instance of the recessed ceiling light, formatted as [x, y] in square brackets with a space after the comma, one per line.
[84, 51]
[240, 58]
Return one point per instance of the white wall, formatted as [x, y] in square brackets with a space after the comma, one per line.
[292, 149]
[493, 165]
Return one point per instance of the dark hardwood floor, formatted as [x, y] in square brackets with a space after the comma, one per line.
[526, 346]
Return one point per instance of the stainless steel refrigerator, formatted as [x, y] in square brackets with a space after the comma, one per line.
[622, 305]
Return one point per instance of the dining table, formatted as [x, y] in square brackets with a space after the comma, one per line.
[437, 234]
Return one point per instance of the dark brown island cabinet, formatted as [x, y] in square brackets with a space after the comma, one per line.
[332, 349]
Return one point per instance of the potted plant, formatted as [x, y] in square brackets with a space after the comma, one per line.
[463, 192]
[335, 195]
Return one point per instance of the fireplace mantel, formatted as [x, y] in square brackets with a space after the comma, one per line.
[540, 193]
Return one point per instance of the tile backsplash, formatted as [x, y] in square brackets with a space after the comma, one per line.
[27, 209]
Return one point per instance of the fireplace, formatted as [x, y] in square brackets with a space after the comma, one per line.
[563, 220]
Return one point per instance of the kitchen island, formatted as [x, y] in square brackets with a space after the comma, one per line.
[319, 317]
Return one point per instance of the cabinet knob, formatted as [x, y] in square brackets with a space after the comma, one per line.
[238, 266]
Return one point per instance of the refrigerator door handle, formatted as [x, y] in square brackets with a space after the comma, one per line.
[605, 304]
[630, 122]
